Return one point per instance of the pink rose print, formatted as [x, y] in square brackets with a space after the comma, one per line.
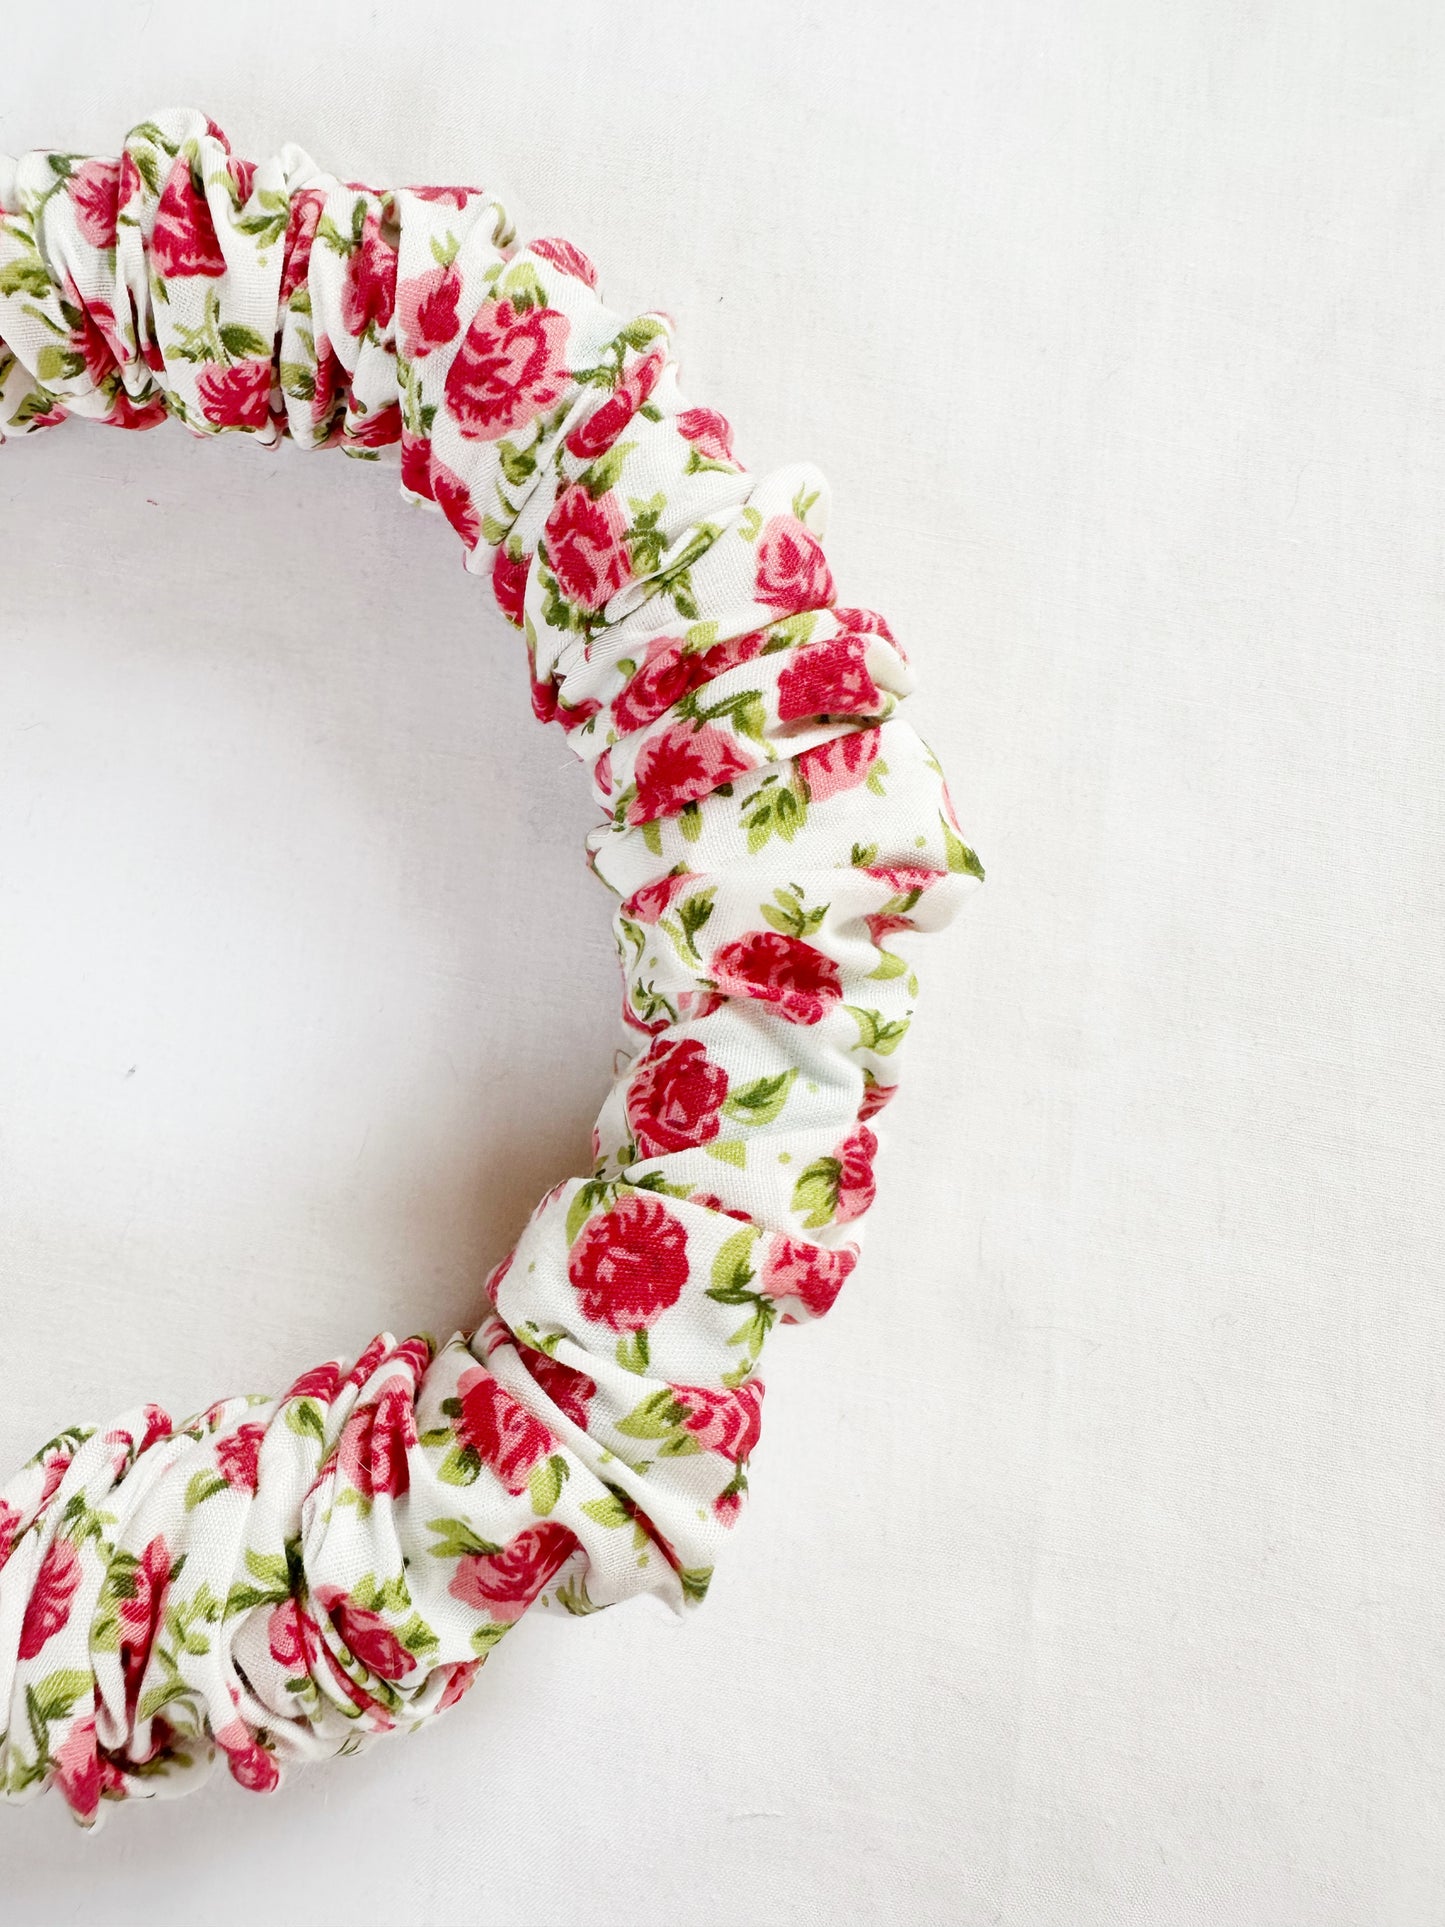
[375, 1441]
[509, 584]
[709, 432]
[292, 1636]
[502, 1432]
[874, 1098]
[595, 435]
[57, 1464]
[238, 1457]
[366, 1635]
[674, 1098]
[94, 190]
[779, 969]
[77, 1769]
[508, 370]
[565, 257]
[252, 1766]
[368, 290]
[458, 1676]
[448, 196]
[48, 1607]
[670, 671]
[811, 1274]
[726, 1422]
[681, 765]
[828, 679]
[10, 1519]
[840, 764]
[238, 396]
[184, 239]
[301, 225]
[141, 1604]
[379, 429]
[792, 571]
[568, 1389]
[321, 1382]
[416, 461]
[426, 310]
[454, 498]
[856, 1188]
[505, 1583]
[653, 901]
[585, 547]
[629, 1264]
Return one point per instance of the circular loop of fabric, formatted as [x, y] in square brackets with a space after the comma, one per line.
[282, 1578]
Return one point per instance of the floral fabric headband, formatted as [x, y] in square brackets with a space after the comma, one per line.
[283, 1578]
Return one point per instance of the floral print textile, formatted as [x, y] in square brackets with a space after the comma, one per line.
[279, 1579]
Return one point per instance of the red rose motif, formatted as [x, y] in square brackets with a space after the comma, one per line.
[301, 224]
[792, 571]
[778, 969]
[856, 1188]
[292, 1636]
[828, 679]
[455, 196]
[562, 255]
[726, 1422]
[379, 429]
[502, 1432]
[375, 1441]
[811, 1274]
[416, 465]
[505, 1583]
[48, 1607]
[458, 1676]
[653, 901]
[568, 1389]
[252, 1765]
[681, 765]
[595, 435]
[368, 289]
[238, 396]
[56, 1467]
[238, 1457]
[10, 1519]
[881, 925]
[838, 765]
[875, 1096]
[140, 1607]
[93, 338]
[322, 1381]
[77, 1769]
[674, 1097]
[184, 239]
[669, 671]
[94, 190]
[454, 498]
[124, 413]
[509, 585]
[709, 432]
[585, 547]
[366, 1635]
[629, 1264]
[508, 370]
[426, 310]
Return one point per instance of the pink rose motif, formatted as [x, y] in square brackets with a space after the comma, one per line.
[726, 1422]
[368, 289]
[301, 224]
[238, 1457]
[508, 370]
[451, 196]
[252, 1766]
[792, 571]
[595, 435]
[778, 969]
[416, 464]
[811, 1274]
[856, 1188]
[94, 190]
[454, 498]
[321, 1382]
[509, 584]
[140, 1606]
[57, 1464]
[568, 1389]
[330, 386]
[93, 339]
[505, 1583]
[653, 901]
[838, 765]
[77, 1769]
[366, 1635]
[681, 765]
[709, 432]
[48, 1607]
[238, 396]
[375, 1441]
[875, 1096]
[629, 1264]
[502, 1432]
[379, 429]
[828, 679]
[426, 310]
[458, 1676]
[10, 1518]
[565, 257]
[668, 672]
[292, 1636]
[124, 413]
[585, 547]
[674, 1098]
[184, 239]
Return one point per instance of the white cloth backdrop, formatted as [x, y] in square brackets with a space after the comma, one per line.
[1118, 328]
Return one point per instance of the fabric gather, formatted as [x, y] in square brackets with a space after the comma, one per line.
[285, 1578]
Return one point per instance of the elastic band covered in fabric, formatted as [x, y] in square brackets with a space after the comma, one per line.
[284, 1578]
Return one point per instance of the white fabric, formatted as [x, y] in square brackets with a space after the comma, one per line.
[1144, 303]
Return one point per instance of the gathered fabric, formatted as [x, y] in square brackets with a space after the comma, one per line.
[283, 1578]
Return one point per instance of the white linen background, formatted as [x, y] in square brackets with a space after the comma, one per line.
[1094, 1570]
